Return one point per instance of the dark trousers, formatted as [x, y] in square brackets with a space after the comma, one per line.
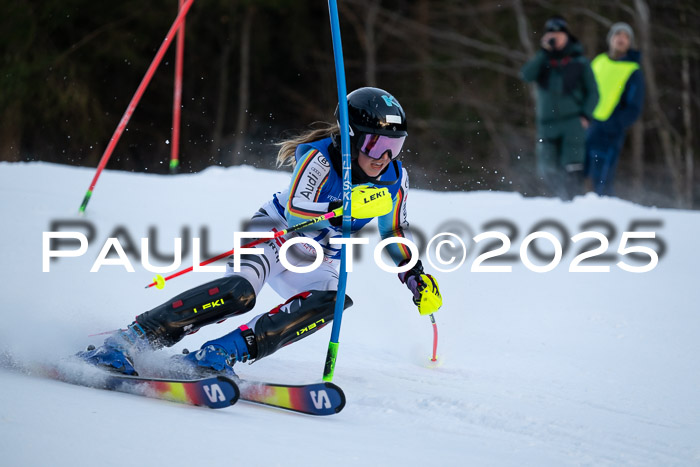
[560, 152]
[601, 165]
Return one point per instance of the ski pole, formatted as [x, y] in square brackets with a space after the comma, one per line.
[435, 338]
[135, 100]
[159, 281]
[333, 344]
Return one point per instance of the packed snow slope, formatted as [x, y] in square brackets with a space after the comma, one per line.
[536, 368]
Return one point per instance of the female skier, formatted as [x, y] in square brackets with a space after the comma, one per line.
[378, 130]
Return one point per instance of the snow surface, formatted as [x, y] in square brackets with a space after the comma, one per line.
[554, 368]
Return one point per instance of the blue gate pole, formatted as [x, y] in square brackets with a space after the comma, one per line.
[332, 354]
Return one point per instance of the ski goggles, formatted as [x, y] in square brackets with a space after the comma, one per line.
[376, 145]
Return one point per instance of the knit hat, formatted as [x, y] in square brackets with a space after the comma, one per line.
[556, 23]
[617, 27]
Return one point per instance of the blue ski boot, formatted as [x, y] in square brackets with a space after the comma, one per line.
[219, 355]
[114, 353]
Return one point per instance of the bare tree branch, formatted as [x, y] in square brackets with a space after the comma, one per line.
[457, 38]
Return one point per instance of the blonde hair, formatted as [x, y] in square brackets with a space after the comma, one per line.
[288, 147]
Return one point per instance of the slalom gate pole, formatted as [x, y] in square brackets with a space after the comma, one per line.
[135, 100]
[159, 281]
[177, 96]
[332, 354]
[435, 338]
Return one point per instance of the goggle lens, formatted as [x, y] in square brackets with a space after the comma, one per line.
[376, 145]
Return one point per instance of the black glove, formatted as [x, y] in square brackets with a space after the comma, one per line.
[336, 221]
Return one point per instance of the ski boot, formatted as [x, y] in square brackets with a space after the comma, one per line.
[114, 353]
[219, 355]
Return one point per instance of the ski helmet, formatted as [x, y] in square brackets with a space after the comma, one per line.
[373, 111]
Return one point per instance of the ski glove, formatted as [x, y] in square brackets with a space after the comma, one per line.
[426, 293]
[367, 202]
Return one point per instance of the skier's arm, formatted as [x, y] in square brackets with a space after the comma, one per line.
[309, 176]
[531, 70]
[424, 287]
[395, 223]
[630, 106]
[591, 89]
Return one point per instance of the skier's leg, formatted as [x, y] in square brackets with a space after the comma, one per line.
[301, 315]
[298, 317]
[169, 322]
[310, 307]
[209, 303]
[547, 164]
[184, 314]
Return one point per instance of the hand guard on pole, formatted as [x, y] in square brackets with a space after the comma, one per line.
[367, 202]
[425, 289]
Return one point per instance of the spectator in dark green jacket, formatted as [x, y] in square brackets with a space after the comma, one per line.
[566, 97]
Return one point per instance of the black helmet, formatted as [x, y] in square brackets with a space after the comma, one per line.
[375, 111]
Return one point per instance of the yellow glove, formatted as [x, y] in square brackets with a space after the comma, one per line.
[426, 293]
[368, 202]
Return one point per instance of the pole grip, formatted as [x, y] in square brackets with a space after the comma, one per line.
[329, 368]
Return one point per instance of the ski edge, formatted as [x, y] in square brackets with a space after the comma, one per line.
[298, 398]
[197, 392]
[200, 392]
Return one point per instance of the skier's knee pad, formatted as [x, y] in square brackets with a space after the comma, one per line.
[209, 303]
[298, 317]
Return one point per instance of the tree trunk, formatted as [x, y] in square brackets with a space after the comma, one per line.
[637, 158]
[243, 87]
[687, 126]
[371, 43]
[524, 27]
[222, 98]
[671, 151]
[424, 53]
[11, 132]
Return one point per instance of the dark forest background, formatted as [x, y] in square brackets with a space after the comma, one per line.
[256, 70]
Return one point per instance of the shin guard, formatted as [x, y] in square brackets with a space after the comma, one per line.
[298, 317]
[209, 303]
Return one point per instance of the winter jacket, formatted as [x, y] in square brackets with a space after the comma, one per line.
[316, 182]
[566, 87]
[621, 86]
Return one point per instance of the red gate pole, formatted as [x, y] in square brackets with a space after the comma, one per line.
[135, 100]
[177, 96]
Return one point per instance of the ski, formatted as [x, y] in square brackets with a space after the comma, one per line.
[311, 399]
[215, 392]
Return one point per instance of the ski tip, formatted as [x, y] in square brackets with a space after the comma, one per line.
[233, 385]
[340, 392]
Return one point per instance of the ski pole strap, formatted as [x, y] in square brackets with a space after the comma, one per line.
[159, 281]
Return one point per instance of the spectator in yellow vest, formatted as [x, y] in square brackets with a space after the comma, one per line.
[620, 81]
